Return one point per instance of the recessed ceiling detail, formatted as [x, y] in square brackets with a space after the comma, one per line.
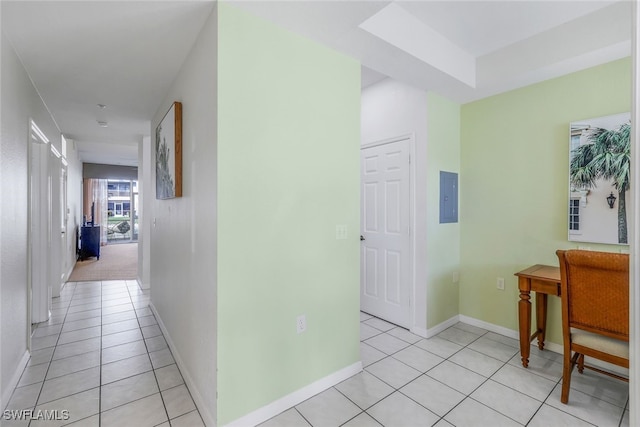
[396, 26]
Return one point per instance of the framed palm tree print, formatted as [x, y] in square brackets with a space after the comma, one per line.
[169, 154]
[599, 163]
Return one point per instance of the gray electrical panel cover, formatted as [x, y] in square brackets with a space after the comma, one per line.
[448, 197]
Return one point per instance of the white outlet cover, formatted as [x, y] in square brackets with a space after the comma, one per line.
[301, 323]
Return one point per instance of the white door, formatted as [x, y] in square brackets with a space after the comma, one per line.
[385, 261]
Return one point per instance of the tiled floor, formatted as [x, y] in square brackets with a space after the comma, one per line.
[465, 376]
[102, 358]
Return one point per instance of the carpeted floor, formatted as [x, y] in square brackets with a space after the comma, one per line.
[117, 262]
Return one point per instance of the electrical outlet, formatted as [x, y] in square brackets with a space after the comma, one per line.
[301, 323]
[500, 283]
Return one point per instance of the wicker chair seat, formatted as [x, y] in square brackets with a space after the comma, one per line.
[600, 343]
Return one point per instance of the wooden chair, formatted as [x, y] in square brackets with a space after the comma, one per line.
[595, 311]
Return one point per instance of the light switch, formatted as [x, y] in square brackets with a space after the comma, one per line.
[341, 232]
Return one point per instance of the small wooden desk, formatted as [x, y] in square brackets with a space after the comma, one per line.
[543, 280]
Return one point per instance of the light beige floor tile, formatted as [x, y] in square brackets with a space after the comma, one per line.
[161, 358]
[404, 335]
[141, 312]
[494, 349]
[549, 416]
[147, 321]
[542, 366]
[123, 351]
[121, 338]
[477, 362]
[41, 356]
[67, 385]
[118, 317]
[81, 324]
[72, 364]
[432, 394]
[156, 343]
[39, 343]
[289, 418]
[168, 377]
[398, 410]
[33, 374]
[369, 354]
[367, 331]
[364, 316]
[469, 412]
[114, 309]
[393, 372]
[75, 348]
[25, 397]
[418, 358]
[192, 419]
[458, 336]
[586, 407]
[364, 389]
[178, 401]
[507, 401]
[601, 386]
[329, 408]
[83, 307]
[526, 382]
[79, 335]
[93, 421]
[78, 406]
[127, 390]
[470, 328]
[125, 325]
[362, 420]
[43, 331]
[439, 346]
[125, 368]
[379, 324]
[387, 343]
[512, 342]
[151, 331]
[456, 377]
[145, 412]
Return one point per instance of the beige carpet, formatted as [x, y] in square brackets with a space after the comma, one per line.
[117, 262]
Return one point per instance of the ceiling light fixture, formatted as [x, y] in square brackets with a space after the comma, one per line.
[102, 106]
[102, 124]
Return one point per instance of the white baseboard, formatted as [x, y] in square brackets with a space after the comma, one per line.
[142, 284]
[492, 328]
[274, 408]
[550, 346]
[202, 406]
[6, 394]
[441, 327]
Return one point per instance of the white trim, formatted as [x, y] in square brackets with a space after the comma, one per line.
[202, 406]
[13, 383]
[274, 408]
[491, 327]
[634, 228]
[550, 346]
[413, 300]
[431, 332]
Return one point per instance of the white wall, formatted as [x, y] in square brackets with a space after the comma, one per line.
[20, 102]
[183, 230]
[145, 200]
[391, 109]
[74, 203]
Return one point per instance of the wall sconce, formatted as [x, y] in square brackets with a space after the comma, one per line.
[611, 200]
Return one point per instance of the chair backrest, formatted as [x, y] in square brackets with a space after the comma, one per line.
[595, 292]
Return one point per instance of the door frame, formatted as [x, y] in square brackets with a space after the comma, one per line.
[411, 274]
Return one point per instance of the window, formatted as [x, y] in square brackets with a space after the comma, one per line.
[574, 215]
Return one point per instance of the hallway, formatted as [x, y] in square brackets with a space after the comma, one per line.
[99, 360]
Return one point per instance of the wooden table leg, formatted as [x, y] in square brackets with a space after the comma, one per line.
[524, 317]
[541, 318]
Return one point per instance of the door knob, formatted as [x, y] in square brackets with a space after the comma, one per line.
[362, 237]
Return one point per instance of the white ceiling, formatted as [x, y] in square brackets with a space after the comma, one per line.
[126, 54]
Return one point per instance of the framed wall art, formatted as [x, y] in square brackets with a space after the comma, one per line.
[599, 164]
[169, 154]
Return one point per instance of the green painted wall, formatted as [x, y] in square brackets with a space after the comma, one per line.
[514, 162]
[443, 240]
[288, 159]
